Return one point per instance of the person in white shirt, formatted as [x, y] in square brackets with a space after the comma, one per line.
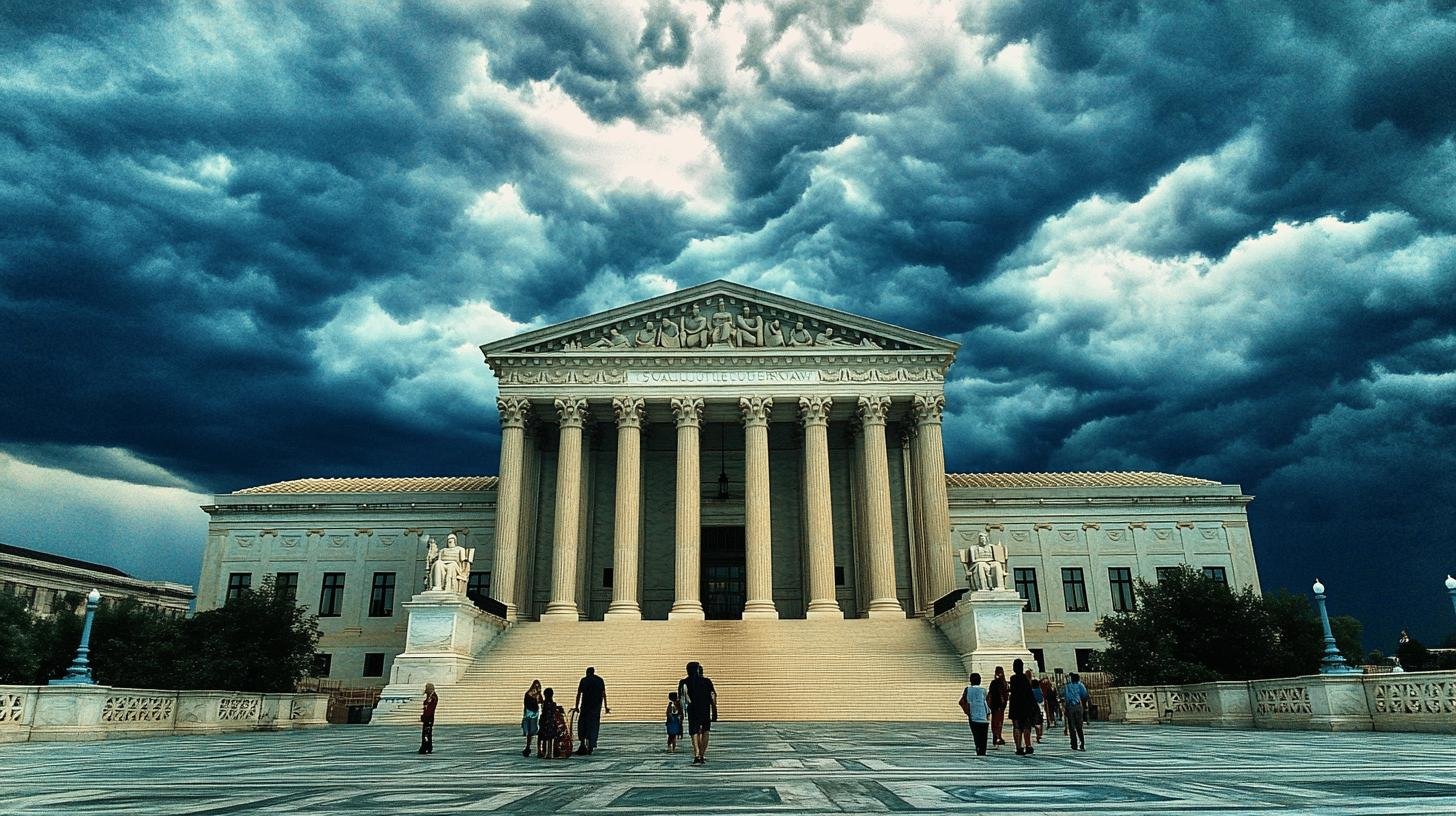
[973, 702]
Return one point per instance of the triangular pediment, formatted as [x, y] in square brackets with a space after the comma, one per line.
[719, 317]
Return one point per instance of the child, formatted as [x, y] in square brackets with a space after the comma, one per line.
[549, 729]
[674, 722]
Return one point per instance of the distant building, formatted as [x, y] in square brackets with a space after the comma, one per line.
[53, 583]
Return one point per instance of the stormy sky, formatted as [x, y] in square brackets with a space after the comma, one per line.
[244, 242]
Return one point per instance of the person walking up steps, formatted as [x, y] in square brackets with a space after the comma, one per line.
[997, 700]
[674, 722]
[700, 700]
[978, 712]
[1074, 697]
[427, 720]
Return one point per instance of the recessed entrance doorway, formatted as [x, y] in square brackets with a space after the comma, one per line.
[725, 578]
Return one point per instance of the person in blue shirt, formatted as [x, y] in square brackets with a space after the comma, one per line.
[978, 711]
[1075, 697]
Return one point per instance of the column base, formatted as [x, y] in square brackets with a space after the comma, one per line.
[760, 610]
[559, 612]
[885, 608]
[626, 610]
[686, 610]
[824, 610]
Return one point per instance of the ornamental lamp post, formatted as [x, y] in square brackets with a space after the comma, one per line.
[1333, 662]
[79, 672]
[1451, 589]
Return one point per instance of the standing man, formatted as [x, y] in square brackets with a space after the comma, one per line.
[1075, 696]
[978, 711]
[698, 698]
[591, 698]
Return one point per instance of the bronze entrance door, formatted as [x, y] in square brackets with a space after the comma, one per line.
[725, 579]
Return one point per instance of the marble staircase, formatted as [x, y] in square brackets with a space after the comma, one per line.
[803, 670]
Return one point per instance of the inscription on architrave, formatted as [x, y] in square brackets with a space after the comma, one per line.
[720, 377]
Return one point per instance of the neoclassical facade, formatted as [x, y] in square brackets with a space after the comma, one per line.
[723, 453]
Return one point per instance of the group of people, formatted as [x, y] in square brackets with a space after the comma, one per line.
[548, 725]
[1034, 705]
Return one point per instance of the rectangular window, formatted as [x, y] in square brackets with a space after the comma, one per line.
[331, 597]
[1164, 573]
[1025, 578]
[1039, 656]
[1120, 578]
[1218, 574]
[374, 664]
[287, 584]
[321, 664]
[478, 587]
[381, 596]
[1086, 660]
[238, 583]
[607, 577]
[1074, 589]
[839, 576]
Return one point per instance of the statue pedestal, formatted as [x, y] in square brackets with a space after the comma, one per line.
[446, 632]
[985, 626]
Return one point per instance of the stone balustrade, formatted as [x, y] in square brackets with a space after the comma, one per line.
[36, 713]
[1412, 701]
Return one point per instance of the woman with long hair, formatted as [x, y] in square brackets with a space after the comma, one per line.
[427, 720]
[531, 715]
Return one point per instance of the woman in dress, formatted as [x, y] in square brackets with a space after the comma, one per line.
[531, 715]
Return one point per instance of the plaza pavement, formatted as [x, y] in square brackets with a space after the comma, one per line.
[753, 768]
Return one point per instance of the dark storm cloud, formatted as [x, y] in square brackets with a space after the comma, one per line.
[250, 243]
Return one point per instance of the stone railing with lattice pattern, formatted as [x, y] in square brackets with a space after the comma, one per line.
[238, 708]
[1404, 696]
[16, 705]
[158, 708]
[1282, 699]
[97, 712]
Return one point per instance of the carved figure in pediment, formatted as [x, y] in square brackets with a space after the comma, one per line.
[774, 335]
[646, 336]
[866, 342]
[750, 328]
[613, 339]
[827, 338]
[694, 329]
[800, 336]
[669, 336]
[724, 333]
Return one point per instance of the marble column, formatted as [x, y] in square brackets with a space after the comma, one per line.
[567, 523]
[513, 414]
[934, 505]
[915, 517]
[686, 605]
[626, 544]
[757, 532]
[880, 533]
[818, 521]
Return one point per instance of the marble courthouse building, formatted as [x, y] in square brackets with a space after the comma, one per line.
[721, 453]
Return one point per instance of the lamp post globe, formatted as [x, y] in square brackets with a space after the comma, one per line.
[1333, 662]
[79, 672]
[1451, 588]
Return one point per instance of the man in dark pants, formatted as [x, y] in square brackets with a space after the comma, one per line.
[591, 698]
[1074, 697]
[697, 696]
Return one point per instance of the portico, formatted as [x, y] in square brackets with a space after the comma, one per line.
[628, 434]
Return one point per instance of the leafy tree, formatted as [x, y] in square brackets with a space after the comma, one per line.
[1414, 656]
[260, 641]
[1349, 635]
[20, 645]
[134, 646]
[1376, 658]
[1188, 628]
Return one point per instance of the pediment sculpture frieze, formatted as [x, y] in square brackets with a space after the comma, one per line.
[719, 324]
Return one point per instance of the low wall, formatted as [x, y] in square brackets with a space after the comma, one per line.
[1410, 701]
[36, 713]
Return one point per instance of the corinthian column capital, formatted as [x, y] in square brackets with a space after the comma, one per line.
[756, 410]
[572, 412]
[514, 411]
[872, 410]
[815, 410]
[688, 411]
[629, 411]
[928, 408]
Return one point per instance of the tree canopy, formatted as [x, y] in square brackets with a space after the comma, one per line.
[1188, 628]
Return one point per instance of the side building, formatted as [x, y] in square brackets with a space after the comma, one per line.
[49, 584]
[351, 551]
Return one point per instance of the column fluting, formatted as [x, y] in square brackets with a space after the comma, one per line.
[686, 605]
[818, 519]
[876, 491]
[930, 455]
[626, 543]
[567, 522]
[513, 414]
[757, 534]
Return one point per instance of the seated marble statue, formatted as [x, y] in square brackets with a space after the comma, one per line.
[985, 565]
[800, 336]
[724, 333]
[669, 336]
[448, 566]
[774, 335]
[646, 336]
[694, 329]
[750, 328]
